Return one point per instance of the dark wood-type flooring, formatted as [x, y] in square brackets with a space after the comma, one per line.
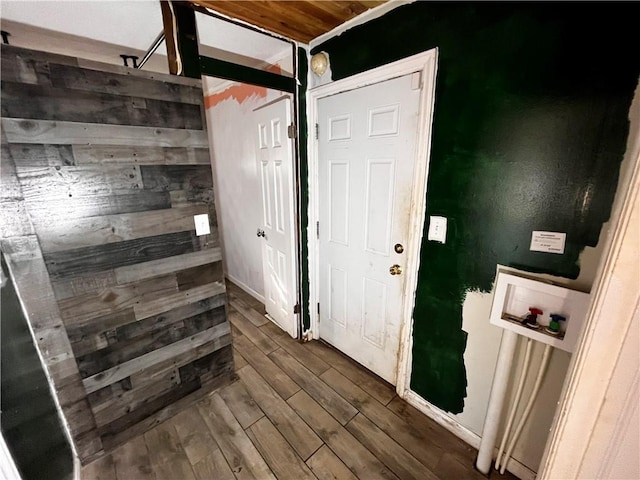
[297, 411]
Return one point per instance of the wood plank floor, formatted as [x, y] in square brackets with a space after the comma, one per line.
[297, 411]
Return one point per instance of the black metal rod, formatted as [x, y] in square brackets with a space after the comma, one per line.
[152, 49]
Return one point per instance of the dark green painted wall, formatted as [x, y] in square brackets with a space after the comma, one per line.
[529, 131]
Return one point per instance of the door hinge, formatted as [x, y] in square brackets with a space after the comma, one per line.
[318, 311]
[291, 131]
[296, 308]
[317, 131]
[317, 230]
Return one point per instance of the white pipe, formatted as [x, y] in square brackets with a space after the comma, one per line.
[536, 388]
[516, 400]
[496, 400]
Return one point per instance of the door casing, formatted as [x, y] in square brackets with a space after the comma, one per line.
[426, 63]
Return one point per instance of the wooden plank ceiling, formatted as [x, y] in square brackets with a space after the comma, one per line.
[299, 20]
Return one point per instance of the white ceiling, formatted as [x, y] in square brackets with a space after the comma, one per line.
[135, 25]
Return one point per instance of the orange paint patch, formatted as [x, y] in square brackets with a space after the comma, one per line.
[240, 91]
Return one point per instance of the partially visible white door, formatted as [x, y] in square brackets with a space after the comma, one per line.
[275, 167]
[366, 150]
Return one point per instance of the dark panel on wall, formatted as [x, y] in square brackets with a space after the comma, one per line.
[108, 169]
[30, 422]
[529, 131]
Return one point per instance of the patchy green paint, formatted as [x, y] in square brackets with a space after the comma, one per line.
[529, 131]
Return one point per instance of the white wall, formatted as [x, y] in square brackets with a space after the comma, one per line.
[236, 181]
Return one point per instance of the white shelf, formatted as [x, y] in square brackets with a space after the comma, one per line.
[514, 295]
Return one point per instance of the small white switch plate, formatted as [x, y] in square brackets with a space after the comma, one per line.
[202, 224]
[437, 229]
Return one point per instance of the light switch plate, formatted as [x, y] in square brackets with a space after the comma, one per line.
[202, 224]
[437, 229]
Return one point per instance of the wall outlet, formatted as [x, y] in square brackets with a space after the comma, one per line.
[202, 224]
[437, 229]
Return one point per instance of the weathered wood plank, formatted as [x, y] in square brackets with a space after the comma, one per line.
[82, 207]
[133, 154]
[147, 409]
[162, 178]
[253, 333]
[209, 365]
[21, 130]
[249, 313]
[214, 466]
[127, 349]
[297, 349]
[273, 374]
[290, 425]
[326, 466]
[415, 441]
[43, 184]
[351, 452]
[195, 437]
[245, 460]
[132, 461]
[220, 333]
[89, 260]
[333, 403]
[83, 284]
[243, 407]
[373, 385]
[10, 52]
[157, 322]
[59, 235]
[167, 265]
[181, 198]
[33, 155]
[119, 297]
[90, 335]
[281, 458]
[122, 82]
[119, 405]
[147, 309]
[167, 457]
[63, 104]
[399, 461]
[200, 275]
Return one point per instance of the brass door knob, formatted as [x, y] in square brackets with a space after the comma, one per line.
[395, 269]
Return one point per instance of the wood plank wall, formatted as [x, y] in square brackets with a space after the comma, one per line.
[103, 168]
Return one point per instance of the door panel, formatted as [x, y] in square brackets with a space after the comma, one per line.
[275, 161]
[367, 142]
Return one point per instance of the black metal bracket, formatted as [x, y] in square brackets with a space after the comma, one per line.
[133, 58]
[5, 37]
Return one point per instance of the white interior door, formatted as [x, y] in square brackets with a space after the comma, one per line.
[366, 148]
[275, 166]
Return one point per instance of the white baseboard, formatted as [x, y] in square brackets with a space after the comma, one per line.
[440, 417]
[246, 288]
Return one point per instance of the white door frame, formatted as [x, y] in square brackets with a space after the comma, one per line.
[426, 63]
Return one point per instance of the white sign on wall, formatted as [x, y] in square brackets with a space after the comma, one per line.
[549, 242]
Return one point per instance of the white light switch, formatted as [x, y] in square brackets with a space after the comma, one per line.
[202, 224]
[437, 229]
